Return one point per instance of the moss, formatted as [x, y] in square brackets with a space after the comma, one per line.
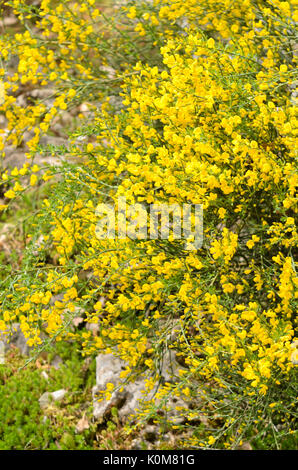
[23, 424]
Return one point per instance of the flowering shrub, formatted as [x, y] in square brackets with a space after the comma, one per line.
[175, 102]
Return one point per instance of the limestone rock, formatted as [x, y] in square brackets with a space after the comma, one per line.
[44, 400]
[127, 401]
[17, 339]
[47, 397]
[108, 369]
[58, 395]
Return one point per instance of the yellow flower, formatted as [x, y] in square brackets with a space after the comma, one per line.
[250, 244]
[10, 194]
[210, 43]
[33, 180]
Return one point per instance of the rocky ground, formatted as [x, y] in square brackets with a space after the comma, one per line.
[100, 417]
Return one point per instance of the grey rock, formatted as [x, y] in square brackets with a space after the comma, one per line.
[14, 157]
[101, 408]
[134, 394]
[45, 375]
[17, 339]
[108, 369]
[136, 444]
[93, 327]
[56, 362]
[44, 400]
[58, 395]
[169, 366]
